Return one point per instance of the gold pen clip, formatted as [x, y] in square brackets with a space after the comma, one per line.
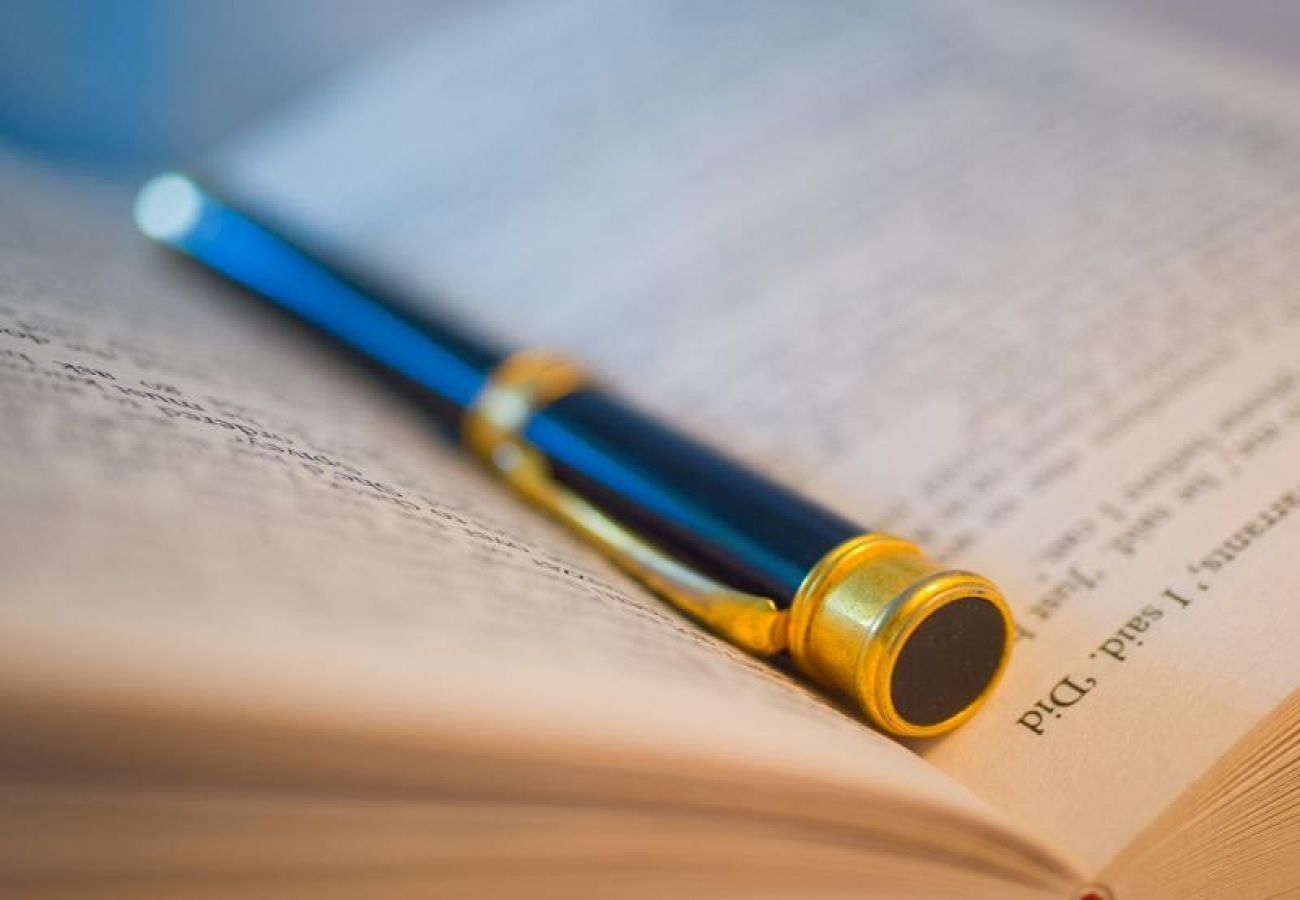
[526, 382]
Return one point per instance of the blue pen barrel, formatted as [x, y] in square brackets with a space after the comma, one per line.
[446, 365]
[705, 509]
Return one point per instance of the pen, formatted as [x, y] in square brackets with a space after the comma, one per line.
[865, 613]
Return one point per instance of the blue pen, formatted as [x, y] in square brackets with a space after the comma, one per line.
[862, 612]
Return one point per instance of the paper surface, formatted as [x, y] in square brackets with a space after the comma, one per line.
[974, 278]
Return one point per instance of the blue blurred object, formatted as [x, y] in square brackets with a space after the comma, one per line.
[128, 87]
[449, 367]
[124, 87]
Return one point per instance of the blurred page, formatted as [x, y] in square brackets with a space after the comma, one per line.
[1018, 289]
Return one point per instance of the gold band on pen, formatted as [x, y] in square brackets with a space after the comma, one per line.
[522, 384]
[528, 381]
[853, 618]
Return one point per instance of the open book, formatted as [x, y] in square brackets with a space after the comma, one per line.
[1023, 290]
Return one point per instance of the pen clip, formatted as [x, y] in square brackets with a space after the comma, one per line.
[524, 383]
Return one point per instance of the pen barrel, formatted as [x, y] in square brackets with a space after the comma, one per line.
[428, 354]
[702, 507]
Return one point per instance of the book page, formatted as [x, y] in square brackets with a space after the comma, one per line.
[221, 538]
[1022, 294]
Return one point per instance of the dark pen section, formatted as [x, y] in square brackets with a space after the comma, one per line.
[704, 508]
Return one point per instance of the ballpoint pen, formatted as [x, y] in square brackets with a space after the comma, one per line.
[917, 646]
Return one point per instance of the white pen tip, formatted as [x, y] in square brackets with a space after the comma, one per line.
[168, 207]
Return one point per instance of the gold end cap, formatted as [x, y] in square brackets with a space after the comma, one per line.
[919, 647]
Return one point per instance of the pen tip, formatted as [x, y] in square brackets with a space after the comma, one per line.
[167, 207]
